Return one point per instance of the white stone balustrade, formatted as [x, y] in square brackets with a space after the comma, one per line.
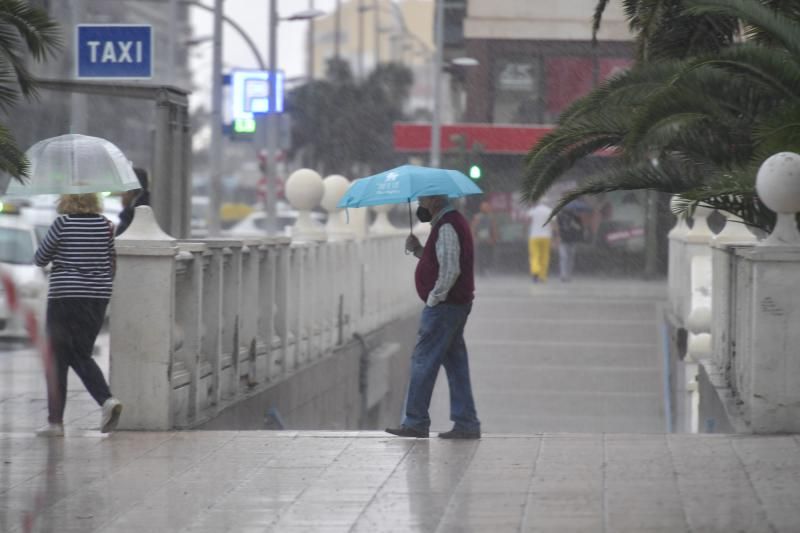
[752, 316]
[765, 368]
[198, 325]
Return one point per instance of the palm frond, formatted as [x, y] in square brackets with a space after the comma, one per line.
[12, 159]
[671, 175]
[40, 33]
[24, 30]
[597, 19]
[780, 132]
[774, 69]
[561, 149]
[627, 88]
[781, 28]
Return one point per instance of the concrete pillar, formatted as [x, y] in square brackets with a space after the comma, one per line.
[142, 324]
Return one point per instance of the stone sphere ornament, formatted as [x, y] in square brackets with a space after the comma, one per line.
[778, 186]
[304, 189]
[335, 187]
[337, 226]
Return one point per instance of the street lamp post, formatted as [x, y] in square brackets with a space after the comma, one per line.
[272, 117]
[272, 121]
[215, 181]
[436, 123]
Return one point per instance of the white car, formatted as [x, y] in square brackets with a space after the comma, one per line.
[199, 221]
[255, 224]
[18, 243]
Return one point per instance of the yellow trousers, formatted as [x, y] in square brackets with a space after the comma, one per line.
[539, 256]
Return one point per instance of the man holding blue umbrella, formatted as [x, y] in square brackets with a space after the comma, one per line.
[445, 282]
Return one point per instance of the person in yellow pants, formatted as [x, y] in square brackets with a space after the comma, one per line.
[539, 235]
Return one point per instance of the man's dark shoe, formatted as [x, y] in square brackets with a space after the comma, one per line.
[404, 431]
[459, 434]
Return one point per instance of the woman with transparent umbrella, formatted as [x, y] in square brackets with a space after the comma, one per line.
[80, 247]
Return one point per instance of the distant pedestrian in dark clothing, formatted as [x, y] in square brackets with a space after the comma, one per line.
[133, 199]
[445, 282]
[568, 232]
[80, 245]
[484, 232]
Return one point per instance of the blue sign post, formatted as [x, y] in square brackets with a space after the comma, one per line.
[114, 51]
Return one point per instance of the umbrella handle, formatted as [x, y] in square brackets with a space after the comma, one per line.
[410, 220]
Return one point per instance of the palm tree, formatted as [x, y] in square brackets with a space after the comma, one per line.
[695, 124]
[25, 31]
[340, 122]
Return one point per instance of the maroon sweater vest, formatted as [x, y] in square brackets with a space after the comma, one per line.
[427, 271]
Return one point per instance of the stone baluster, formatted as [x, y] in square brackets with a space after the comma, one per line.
[251, 310]
[677, 259]
[304, 190]
[283, 283]
[267, 342]
[697, 241]
[213, 310]
[191, 401]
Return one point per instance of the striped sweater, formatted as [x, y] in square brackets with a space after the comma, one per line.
[81, 248]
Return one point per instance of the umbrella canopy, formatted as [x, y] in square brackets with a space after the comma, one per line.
[75, 164]
[408, 182]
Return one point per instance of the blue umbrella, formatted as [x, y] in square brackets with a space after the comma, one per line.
[406, 183]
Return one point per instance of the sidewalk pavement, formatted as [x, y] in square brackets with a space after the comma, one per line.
[370, 482]
[539, 479]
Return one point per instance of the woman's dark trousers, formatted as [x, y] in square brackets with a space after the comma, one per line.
[72, 326]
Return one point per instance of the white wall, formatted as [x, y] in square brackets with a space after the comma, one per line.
[542, 20]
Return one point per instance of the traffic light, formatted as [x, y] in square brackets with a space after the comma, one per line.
[476, 161]
[244, 125]
[475, 172]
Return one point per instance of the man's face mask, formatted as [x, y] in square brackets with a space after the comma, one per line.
[423, 214]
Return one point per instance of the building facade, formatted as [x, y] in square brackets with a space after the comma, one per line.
[535, 58]
[125, 122]
[378, 31]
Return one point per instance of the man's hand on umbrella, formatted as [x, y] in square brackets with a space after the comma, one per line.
[413, 245]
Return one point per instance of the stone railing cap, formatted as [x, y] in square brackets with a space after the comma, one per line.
[145, 231]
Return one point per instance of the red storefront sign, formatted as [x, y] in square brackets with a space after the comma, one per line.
[495, 139]
[505, 140]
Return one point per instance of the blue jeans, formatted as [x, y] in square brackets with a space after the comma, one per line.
[440, 342]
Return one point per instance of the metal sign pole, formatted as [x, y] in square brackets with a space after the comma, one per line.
[215, 179]
[272, 122]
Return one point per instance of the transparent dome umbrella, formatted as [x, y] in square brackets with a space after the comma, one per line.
[74, 164]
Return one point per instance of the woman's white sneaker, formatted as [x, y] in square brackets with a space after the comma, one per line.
[51, 430]
[111, 411]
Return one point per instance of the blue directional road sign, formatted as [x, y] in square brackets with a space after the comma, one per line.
[114, 51]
